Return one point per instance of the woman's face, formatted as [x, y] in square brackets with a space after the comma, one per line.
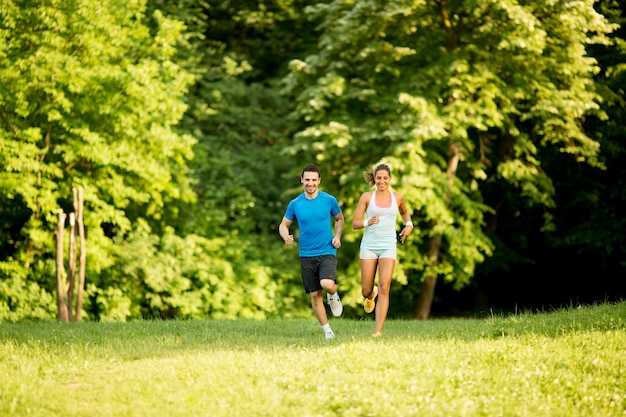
[382, 178]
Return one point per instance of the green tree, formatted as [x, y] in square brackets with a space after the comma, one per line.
[461, 98]
[238, 116]
[589, 223]
[90, 99]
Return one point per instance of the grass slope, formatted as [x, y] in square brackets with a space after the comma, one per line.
[569, 362]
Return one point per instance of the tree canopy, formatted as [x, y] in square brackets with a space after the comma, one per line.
[462, 98]
[187, 124]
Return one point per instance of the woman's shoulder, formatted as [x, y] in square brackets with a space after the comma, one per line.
[399, 196]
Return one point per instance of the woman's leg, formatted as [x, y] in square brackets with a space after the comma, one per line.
[368, 275]
[385, 274]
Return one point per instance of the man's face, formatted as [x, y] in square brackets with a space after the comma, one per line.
[311, 182]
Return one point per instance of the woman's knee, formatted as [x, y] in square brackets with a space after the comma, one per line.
[367, 292]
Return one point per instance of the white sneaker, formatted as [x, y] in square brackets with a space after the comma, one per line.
[335, 304]
[330, 335]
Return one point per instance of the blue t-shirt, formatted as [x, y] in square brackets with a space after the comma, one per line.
[314, 220]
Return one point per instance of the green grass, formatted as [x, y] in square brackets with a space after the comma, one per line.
[569, 362]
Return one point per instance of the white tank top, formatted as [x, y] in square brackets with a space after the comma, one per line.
[382, 235]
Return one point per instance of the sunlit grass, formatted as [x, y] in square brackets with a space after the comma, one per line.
[569, 362]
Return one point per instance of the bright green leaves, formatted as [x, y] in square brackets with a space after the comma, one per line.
[99, 94]
[406, 81]
[91, 97]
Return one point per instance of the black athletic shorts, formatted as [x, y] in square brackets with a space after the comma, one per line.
[316, 268]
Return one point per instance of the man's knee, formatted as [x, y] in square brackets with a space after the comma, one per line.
[316, 294]
[328, 285]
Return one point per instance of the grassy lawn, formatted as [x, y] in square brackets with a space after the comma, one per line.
[569, 362]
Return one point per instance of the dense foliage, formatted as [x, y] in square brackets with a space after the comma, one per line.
[187, 124]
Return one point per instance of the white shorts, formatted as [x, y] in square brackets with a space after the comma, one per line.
[378, 254]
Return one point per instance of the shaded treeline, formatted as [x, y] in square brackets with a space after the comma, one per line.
[187, 123]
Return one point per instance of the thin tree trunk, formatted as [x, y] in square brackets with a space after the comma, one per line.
[61, 294]
[71, 270]
[78, 207]
[427, 289]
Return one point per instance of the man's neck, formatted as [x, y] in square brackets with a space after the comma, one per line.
[311, 196]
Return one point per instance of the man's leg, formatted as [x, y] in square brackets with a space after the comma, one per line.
[317, 302]
[329, 285]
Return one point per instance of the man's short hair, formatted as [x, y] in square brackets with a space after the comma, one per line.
[311, 168]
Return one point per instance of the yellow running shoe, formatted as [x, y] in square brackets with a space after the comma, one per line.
[377, 334]
[370, 303]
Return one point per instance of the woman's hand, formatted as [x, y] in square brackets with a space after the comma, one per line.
[375, 219]
[405, 233]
